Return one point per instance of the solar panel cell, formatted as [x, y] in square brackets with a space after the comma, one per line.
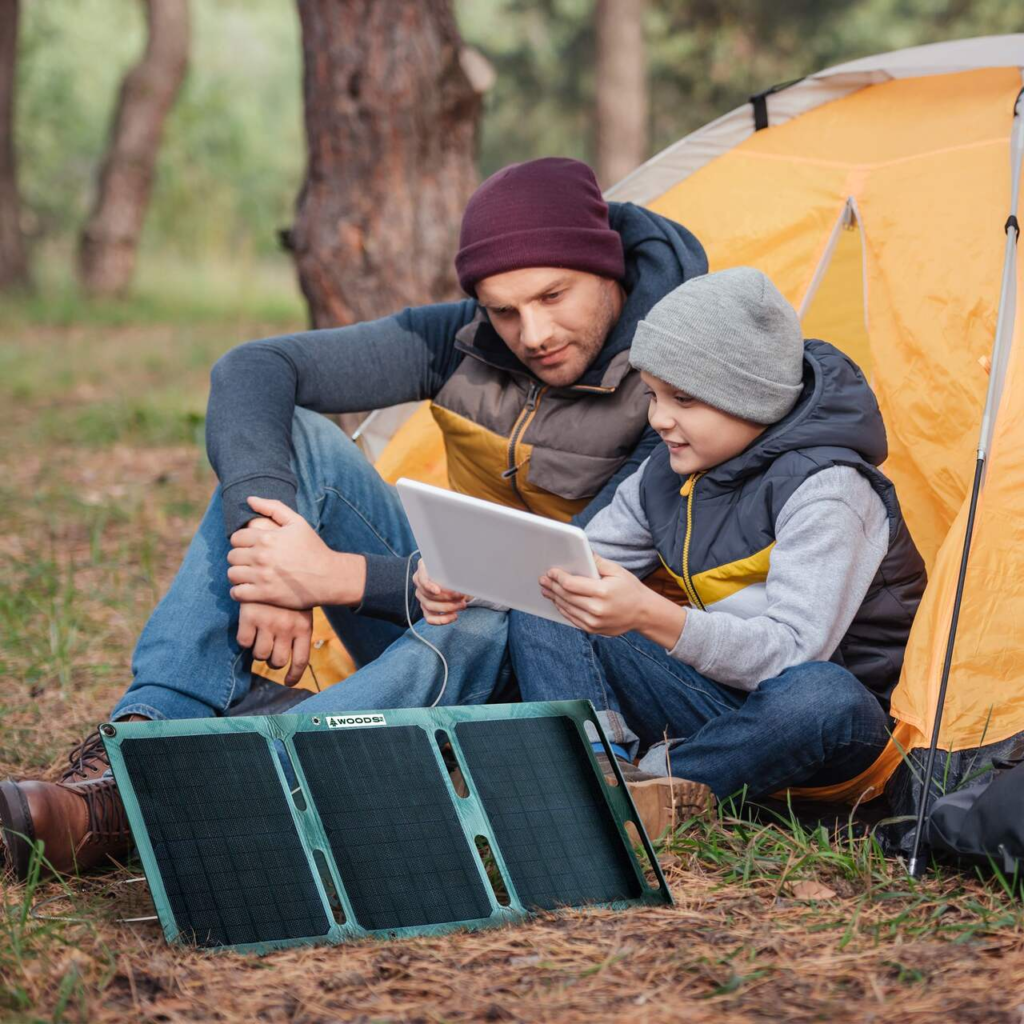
[403, 857]
[224, 840]
[550, 819]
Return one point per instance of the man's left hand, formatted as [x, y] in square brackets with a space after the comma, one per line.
[609, 606]
[290, 567]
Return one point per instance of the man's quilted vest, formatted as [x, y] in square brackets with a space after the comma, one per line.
[515, 441]
[715, 530]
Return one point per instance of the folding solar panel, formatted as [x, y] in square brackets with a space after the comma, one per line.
[375, 833]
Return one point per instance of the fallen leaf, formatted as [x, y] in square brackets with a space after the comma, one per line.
[808, 890]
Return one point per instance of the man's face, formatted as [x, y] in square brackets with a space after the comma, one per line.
[555, 321]
[698, 436]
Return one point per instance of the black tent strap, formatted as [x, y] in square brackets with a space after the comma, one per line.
[759, 101]
[1011, 222]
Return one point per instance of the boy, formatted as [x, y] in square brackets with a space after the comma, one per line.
[765, 503]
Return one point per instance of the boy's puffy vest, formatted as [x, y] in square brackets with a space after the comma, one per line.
[715, 530]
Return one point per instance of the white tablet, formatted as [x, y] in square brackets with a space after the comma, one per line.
[492, 552]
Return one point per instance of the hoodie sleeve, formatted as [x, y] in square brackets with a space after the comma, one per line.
[255, 388]
[831, 537]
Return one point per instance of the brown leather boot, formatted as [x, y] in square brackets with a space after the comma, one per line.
[81, 824]
[86, 761]
[89, 759]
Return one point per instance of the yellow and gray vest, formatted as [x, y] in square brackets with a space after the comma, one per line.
[714, 531]
[511, 439]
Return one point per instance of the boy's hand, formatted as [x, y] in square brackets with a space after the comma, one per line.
[610, 606]
[277, 635]
[439, 606]
[288, 566]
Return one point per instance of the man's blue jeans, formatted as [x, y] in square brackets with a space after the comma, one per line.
[813, 725]
[188, 664]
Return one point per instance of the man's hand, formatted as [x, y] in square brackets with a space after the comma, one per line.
[288, 565]
[277, 635]
[617, 603]
[439, 606]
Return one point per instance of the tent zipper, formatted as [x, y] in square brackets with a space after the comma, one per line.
[686, 491]
[524, 419]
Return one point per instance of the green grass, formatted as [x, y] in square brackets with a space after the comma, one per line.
[887, 904]
[30, 932]
[150, 420]
[166, 290]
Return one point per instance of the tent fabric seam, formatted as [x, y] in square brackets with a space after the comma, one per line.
[840, 165]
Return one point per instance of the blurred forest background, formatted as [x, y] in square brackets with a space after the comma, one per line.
[233, 154]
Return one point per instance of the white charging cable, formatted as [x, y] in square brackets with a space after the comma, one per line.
[422, 639]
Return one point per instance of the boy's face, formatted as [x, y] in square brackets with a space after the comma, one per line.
[698, 435]
[554, 320]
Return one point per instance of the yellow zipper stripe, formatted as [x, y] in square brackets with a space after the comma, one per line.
[530, 415]
[691, 590]
[522, 424]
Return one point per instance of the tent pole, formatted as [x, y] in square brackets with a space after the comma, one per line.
[916, 865]
[1000, 353]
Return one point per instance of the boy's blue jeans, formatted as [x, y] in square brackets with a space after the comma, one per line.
[188, 664]
[813, 725]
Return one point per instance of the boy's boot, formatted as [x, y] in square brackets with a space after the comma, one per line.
[663, 802]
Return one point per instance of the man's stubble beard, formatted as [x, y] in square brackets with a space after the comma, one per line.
[588, 347]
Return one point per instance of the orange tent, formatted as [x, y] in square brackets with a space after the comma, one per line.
[875, 195]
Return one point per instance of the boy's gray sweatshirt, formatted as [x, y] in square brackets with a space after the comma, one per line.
[830, 539]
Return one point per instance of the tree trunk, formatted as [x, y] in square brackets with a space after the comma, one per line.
[108, 244]
[13, 262]
[392, 101]
[621, 90]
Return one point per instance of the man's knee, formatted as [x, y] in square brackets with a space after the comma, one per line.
[315, 436]
[324, 456]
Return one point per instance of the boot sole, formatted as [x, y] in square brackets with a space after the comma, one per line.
[665, 803]
[16, 825]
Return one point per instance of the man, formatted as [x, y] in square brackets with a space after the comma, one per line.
[530, 383]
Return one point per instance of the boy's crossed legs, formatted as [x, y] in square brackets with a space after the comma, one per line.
[813, 725]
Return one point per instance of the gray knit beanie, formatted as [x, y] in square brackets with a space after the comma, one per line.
[729, 339]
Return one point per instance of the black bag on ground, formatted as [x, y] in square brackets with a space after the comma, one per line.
[983, 822]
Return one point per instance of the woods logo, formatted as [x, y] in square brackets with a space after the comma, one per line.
[348, 721]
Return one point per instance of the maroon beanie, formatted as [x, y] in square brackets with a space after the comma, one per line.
[542, 213]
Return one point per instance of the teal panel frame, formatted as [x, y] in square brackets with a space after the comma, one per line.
[471, 814]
